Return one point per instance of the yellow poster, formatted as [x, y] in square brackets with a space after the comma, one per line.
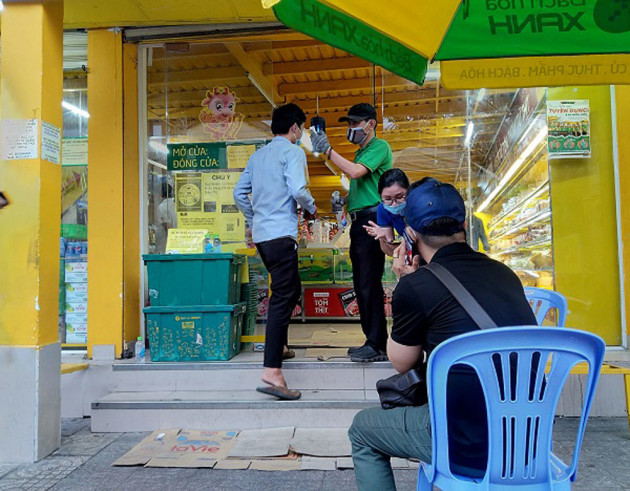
[188, 192]
[238, 155]
[181, 241]
[217, 197]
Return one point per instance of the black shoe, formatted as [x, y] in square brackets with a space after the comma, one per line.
[354, 349]
[367, 354]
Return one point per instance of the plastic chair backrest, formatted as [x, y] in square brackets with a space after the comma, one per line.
[542, 301]
[520, 405]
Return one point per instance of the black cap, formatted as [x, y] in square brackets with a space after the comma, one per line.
[360, 112]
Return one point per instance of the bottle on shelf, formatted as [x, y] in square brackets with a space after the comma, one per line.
[216, 244]
[207, 245]
[140, 350]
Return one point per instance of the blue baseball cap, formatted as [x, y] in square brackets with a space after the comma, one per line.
[431, 200]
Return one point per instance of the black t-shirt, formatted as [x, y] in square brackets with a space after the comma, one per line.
[426, 314]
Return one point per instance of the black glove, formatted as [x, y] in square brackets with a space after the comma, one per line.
[320, 142]
[310, 216]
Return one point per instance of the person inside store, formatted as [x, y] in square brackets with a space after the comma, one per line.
[477, 232]
[167, 217]
[425, 315]
[275, 177]
[372, 159]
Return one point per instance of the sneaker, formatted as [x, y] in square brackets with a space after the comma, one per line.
[355, 348]
[367, 354]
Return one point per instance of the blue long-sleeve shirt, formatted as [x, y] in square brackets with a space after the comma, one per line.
[275, 177]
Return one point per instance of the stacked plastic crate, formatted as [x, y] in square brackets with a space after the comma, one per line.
[196, 312]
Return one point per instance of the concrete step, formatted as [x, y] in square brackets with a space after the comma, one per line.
[236, 376]
[146, 411]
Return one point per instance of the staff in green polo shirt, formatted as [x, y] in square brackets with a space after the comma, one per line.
[373, 157]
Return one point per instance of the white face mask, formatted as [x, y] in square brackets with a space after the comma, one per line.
[357, 135]
[297, 141]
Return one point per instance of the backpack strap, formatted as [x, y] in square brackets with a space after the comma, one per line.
[462, 295]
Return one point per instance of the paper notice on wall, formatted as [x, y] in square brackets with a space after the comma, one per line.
[238, 155]
[182, 241]
[218, 188]
[19, 139]
[188, 192]
[51, 142]
[569, 129]
[198, 220]
[74, 151]
[205, 201]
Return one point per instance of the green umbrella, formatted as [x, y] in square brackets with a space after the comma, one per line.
[480, 43]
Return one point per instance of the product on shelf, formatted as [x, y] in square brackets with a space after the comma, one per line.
[519, 229]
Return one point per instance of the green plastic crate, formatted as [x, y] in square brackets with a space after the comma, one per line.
[194, 279]
[195, 333]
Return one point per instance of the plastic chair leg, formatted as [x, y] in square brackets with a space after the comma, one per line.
[423, 483]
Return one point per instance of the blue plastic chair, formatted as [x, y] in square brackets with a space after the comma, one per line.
[524, 417]
[542, 301]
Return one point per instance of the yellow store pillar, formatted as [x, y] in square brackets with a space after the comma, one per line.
[584, 223]
[622, 109]
[30, 174]
[131, 204]
[113, 195]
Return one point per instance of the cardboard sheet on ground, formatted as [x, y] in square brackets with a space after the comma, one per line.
[322, 442]
[233, 464]
[345, 463]
[300, 335]
[318, 464]
[338, 338]
[180, 448]
[269, 442]
[324, 354]
[149, 447]
[276, 465]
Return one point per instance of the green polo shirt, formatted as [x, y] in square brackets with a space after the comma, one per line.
[376, 156]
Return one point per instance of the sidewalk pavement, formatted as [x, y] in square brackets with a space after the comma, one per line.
[84, 463]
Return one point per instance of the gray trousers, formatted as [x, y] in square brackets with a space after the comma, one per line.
[377, 434]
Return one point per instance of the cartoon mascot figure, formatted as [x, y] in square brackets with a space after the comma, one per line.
[218, 115]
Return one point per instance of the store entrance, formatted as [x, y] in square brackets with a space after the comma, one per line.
[216, 96]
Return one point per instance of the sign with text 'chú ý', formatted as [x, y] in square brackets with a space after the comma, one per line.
[196, 156]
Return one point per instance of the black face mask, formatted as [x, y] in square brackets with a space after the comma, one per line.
[357, 135]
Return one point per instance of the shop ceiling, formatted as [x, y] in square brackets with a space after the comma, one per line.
[426, 126]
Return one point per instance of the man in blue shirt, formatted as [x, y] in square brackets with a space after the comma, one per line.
[275, 177]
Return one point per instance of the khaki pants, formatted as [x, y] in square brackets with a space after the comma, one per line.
[377, 434]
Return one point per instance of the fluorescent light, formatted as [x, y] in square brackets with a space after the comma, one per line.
[481, 94]
[75, 109]
[1, 7]
[516, 165]
[469, 133]
[158, 146]
[157, 164]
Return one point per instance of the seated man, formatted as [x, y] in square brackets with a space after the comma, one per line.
[426, 314]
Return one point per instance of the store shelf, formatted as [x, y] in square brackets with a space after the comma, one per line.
[538, 217]
[542, 189]
[545, 241]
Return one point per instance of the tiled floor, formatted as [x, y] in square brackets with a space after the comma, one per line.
[84, 463]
